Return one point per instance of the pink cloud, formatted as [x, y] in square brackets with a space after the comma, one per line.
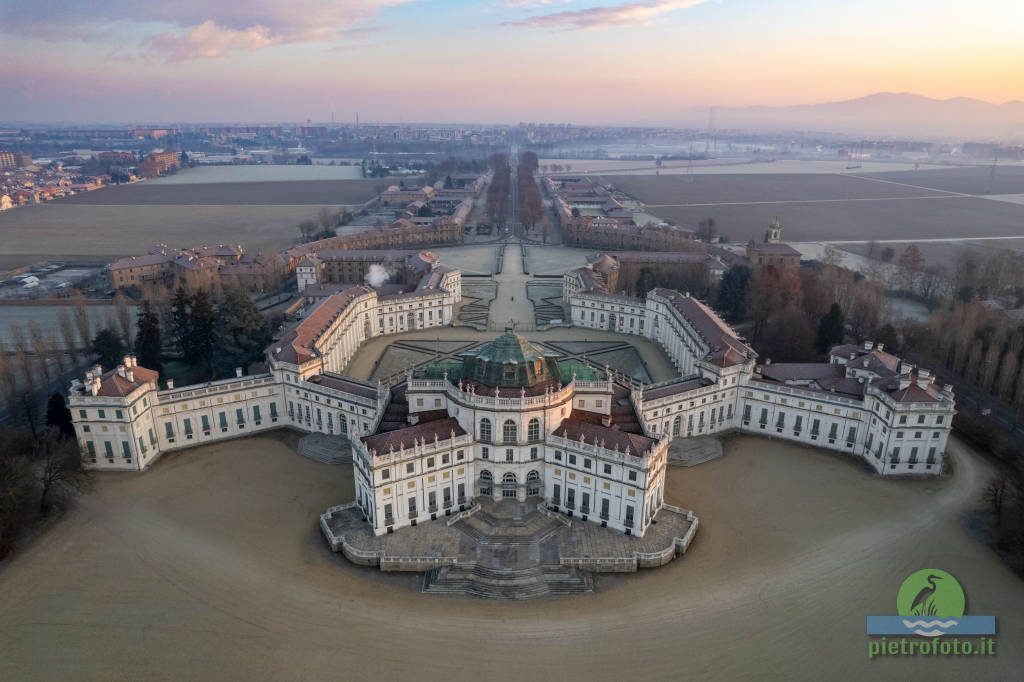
[629, 13]
[198, 28]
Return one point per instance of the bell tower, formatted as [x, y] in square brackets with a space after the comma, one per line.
[773, 235]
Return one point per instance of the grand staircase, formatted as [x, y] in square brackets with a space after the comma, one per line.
[516, 558]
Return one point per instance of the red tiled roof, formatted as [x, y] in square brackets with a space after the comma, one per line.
[113, 385]
[608, 438]
[405, 438]
[296, 345]
[726, 348]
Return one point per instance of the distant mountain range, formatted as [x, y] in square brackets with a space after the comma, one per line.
[885, 113]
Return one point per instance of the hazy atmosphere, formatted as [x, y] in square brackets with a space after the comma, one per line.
[118, 61]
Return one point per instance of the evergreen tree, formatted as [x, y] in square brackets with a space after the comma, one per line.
[108, 348]
[887, 336]
[241, 333]
[147, 338]
[732, 293]
[203, 333]
[830, 329]
[59, 416]
[182, 321]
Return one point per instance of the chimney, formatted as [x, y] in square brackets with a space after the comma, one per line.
[126, 361]
[120, 370]
[905, 368]
[129, 375]
[924, 378]
[868, 344]
[238, 371]
[767, 361]
[135, 360]
[904, 381]
[170, 383]
[880, 346]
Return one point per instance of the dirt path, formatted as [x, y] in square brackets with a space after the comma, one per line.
[210, 566]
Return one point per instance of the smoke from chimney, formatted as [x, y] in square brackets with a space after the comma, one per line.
[377, 275]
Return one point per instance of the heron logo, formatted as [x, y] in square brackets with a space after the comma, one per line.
[930, 603]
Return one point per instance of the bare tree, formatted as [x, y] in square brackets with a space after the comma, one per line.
[124, 317]
[67, 332]
[58, 467]
[82, 321]
[39, 350]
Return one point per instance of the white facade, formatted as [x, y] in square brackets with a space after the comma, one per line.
[722, 387]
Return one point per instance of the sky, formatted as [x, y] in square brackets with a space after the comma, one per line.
[580, 61]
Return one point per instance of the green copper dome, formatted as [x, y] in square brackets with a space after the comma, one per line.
[509, 361]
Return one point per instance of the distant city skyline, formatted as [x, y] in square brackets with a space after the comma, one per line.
[589, 62]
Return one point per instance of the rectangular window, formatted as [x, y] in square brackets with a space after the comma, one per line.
[188, 426]
[389, 517]
[585, 506]
[273, 410]
[632, 475]
[91, 448]
[629, 516]
[746, 414]
[895, 454]
[432, 501]
[462, 493]
[170, 429]
[558, 455]
[586, 463]
[572, 459]
[108, 448]
[556, 493]
[410, 468]
[533, 453]
[81, 414]
[485, 452]
[412, 507]
[118, 414]
[604, 509]
[103, 414]
[445, 458]
[256, 413]
[206, 422]
[126, 449]
[509, 454]
[607, 469]
[570, 498]
[798, 425]
[430, 461]
[815, 428]
[240, 416]
[224, 420]
[851, 435]
[460, 454]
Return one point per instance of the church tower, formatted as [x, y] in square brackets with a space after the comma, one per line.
[773, 235]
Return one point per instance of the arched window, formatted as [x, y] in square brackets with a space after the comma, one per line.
[485, 430]
[508, 484]
[508, 431]
[533, 430]
[486, 481]
[533, 483]
[676, 423]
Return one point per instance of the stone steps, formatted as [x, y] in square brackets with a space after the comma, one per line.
[326, 449]
[537, 581]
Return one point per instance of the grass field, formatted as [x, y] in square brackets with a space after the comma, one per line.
[314, 192]
[832, 206]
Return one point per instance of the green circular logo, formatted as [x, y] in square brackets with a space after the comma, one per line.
[930, 592]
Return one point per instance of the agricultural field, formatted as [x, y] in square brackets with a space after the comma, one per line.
[830, 206]
[261, 173]
[314, 192]
[61, 231]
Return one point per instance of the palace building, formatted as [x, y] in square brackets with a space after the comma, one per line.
[513, 419]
